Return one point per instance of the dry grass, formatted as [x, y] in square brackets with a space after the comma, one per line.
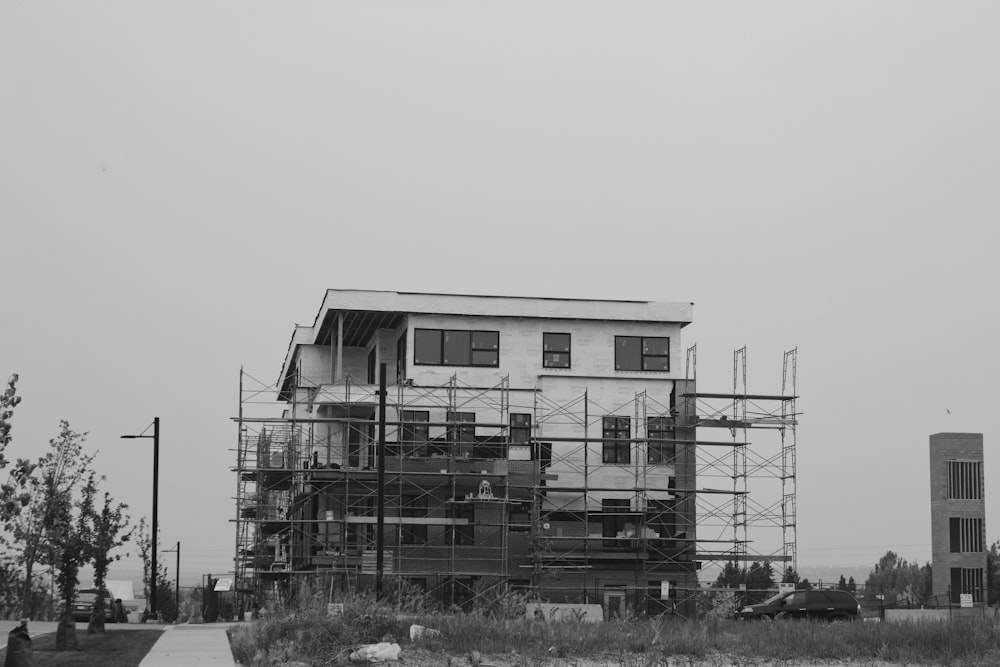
[306, 634]
[114, 648]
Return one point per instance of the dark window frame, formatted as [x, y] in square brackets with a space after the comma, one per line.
[464, 534]
[660, 428]
[413, 507]
[623, 362]
[477, 348]
[549, 355]
[520, 428]
[615, 518]
[616, 433]
[414, 432]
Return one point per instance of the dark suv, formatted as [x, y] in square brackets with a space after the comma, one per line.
[831, 605]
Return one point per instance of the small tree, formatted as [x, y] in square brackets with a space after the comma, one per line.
[49, 490]
[14, 492]
[144, 543]
[70, 540]
[790, 576]
[106, 528]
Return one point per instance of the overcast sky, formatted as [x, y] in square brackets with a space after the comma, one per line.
[180, 182]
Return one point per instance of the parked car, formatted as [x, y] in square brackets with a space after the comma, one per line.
[829, 605]
[84, 604]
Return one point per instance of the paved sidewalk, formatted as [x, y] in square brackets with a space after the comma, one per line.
[199, 644]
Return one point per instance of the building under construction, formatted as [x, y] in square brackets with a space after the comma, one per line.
[548, 445]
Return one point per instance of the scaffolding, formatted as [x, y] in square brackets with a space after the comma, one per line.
[575, 500]
[761, 508]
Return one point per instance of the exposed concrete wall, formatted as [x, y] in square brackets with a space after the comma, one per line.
[918, 615]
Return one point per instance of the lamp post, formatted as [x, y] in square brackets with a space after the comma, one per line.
[156, 494]
[177, 581]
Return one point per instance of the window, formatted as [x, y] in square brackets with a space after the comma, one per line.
[414, 432]
[642, 353]
[967, 580]
[965, 480]
[615, 517]
[361, 534]
[413, 506]
[555, 350]
[520, 428]
[458, 432]
[616, 447]
[657, 430]
[461, 534]
[452, 347]
[967, 535]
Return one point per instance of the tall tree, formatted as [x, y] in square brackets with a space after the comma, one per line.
[760, 580]
[50, 491]
[732, 576]
[895, 575]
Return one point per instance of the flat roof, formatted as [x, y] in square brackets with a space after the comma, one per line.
[505, 306]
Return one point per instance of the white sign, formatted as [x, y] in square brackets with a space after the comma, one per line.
[664, 590]
[335, 609]
[785, 587]
[965, 599]
[223, 584]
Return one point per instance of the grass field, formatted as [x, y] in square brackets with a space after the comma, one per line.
[307, 634]
[114, 648]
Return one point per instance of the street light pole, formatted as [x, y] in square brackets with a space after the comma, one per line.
[156, 497]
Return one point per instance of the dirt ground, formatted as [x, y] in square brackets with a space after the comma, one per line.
[416, 657]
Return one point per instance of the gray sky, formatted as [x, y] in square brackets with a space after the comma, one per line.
[180, 182]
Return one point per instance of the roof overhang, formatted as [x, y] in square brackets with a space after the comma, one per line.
[366, 311]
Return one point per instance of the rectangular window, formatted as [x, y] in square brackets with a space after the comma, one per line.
[659, 429]
[642, 353]
[414, 432]
[965, 480]
[520, 428]
[456, 347]
[459, 432]
[461, 534]
[555, 350]
[413, 506]
[361, 535]
[967, 535]
[461, 437]
[616, 447]
[968, 580]
[614, 525]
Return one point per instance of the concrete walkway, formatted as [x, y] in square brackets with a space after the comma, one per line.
[200, 644]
